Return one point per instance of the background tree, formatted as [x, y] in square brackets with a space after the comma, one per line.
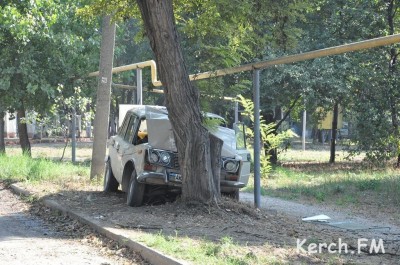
[375, 88]
[43, 44]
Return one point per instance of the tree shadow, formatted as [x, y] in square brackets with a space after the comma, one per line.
[247, 229]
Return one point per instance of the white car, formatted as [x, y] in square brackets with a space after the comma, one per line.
[143, 158]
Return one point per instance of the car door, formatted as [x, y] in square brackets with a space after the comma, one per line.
[126, 148]
[115, 146]
[137, 138]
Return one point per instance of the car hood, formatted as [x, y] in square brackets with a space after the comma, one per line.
[161, 136]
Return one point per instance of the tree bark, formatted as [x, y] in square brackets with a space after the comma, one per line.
[334, 132]
[101, 125]
[2, 135]
[197, 159]
[394, 53]
[23, 132]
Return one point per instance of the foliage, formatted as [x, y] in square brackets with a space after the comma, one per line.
[361, 82]
[43, 45]
[268, 134]
[211, 123]
[213, 34]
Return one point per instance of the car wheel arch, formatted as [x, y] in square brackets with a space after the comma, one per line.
[126, 175]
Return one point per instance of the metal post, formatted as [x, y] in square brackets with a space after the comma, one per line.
[236, 111]
[257, 140]
[73, 130]
[139, 86]
[303, 135]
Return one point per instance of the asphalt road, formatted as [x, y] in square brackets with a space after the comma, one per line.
[26, 239]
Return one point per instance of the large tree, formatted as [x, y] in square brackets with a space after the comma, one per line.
[42, 45]
[199, 150]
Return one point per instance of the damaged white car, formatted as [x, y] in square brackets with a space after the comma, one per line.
[143, 158]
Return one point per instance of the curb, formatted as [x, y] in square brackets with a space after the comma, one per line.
[150, 255]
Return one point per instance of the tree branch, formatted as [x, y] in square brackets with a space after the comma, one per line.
[288, 112]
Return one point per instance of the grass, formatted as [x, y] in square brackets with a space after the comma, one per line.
[198, 251]
[55, 151]
[315, 153]
[306, 175]
[24, 168]
[344, 183]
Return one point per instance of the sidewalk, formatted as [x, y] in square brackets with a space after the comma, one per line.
[122, 236]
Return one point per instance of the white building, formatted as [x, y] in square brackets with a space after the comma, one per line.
[11, 127]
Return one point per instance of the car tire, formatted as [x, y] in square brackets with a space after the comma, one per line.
[110, 182]
[135, 191]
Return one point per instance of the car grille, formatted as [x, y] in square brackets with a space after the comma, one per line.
[175, 161]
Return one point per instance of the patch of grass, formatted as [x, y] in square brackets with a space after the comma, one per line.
[24, 168]
[368, 184]
[341, 184]
[315, 153]
[225, 251]
[29, 199]
[55, 150]
[347, 199]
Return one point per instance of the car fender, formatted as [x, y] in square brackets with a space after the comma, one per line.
[126, 176]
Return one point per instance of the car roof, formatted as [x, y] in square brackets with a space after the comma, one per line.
[152, 110]
[147, 110]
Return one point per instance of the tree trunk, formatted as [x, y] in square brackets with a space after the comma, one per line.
[101, 125]
[273, 152]
[23, 132]
[197, 159]
[334, 132]
[215, 150]
[2, 135]
[391, 12]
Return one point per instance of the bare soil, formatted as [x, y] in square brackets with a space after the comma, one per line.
[258, 231]
[52, 238]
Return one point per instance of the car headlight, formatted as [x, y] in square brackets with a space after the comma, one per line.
[154, 158]
[165, 158]
[231, 165]
[162, 158]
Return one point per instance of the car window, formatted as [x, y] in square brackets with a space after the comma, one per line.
[141, 136]
[131, 129]
[122, 129]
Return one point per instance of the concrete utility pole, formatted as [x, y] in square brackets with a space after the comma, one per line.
[103, 98]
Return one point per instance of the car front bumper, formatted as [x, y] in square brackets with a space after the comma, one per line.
[175, 179]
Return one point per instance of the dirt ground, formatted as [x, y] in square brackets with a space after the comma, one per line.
[52, 239]
[257, 231]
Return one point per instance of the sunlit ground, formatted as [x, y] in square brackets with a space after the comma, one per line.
[55, 150]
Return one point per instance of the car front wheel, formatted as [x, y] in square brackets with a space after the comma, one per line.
[135, 192]
[110, 182]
